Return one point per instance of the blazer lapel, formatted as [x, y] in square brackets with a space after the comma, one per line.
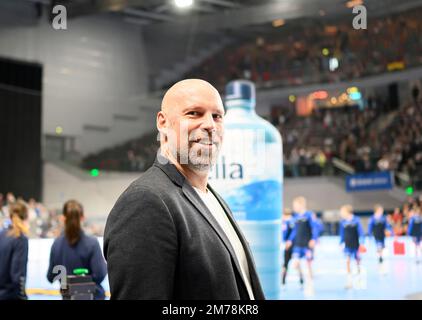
[256, 286]
[194, 198]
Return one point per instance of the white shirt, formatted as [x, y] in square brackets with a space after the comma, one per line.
[220, 215]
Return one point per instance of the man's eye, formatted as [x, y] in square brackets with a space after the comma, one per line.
[193, 113]
[218, 116]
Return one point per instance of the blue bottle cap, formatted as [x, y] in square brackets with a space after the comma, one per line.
[240, 89]
[240, 94]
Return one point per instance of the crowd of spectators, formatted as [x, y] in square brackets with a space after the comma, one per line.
[43, 222]
[397, 147]
[301, 54]
[401, 142]
[311, 142]
[400, 217]
[354, 136]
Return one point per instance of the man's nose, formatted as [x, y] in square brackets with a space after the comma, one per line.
[208, 123]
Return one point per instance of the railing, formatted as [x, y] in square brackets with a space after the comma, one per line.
[342, 166]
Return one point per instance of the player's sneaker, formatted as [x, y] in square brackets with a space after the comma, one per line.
[301, 282]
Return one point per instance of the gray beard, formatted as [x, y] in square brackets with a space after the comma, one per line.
[198, 165]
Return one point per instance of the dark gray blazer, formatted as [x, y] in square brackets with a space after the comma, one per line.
[161, 242]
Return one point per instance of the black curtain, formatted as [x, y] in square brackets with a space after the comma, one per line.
[20, 128]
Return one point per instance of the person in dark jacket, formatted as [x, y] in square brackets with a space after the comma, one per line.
[14, 254]
[74, 249]
[170, 236]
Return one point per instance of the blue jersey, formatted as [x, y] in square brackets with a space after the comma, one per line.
[305, 229]
[415, 227]
[287, 227]
[350, 233]
[377, 227]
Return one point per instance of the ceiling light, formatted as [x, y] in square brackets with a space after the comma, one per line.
[183, 3]
[278, 23]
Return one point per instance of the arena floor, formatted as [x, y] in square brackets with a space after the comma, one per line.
[401, 278]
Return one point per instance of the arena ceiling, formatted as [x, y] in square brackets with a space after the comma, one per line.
[214, 15]
[237, 18]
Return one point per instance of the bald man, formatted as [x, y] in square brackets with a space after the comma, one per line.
[170, 235]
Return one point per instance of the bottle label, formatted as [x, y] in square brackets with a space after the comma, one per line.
[248, 175]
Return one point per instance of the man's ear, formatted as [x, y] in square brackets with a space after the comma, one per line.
[162, 124]
[161, 120]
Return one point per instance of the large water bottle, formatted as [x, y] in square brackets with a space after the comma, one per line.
[249, 176]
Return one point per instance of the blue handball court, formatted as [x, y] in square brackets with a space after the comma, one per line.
[400, 276]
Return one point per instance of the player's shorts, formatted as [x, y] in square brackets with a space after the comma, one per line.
[380, 243]
[302, 252]
[352, 253]
[417, 239]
